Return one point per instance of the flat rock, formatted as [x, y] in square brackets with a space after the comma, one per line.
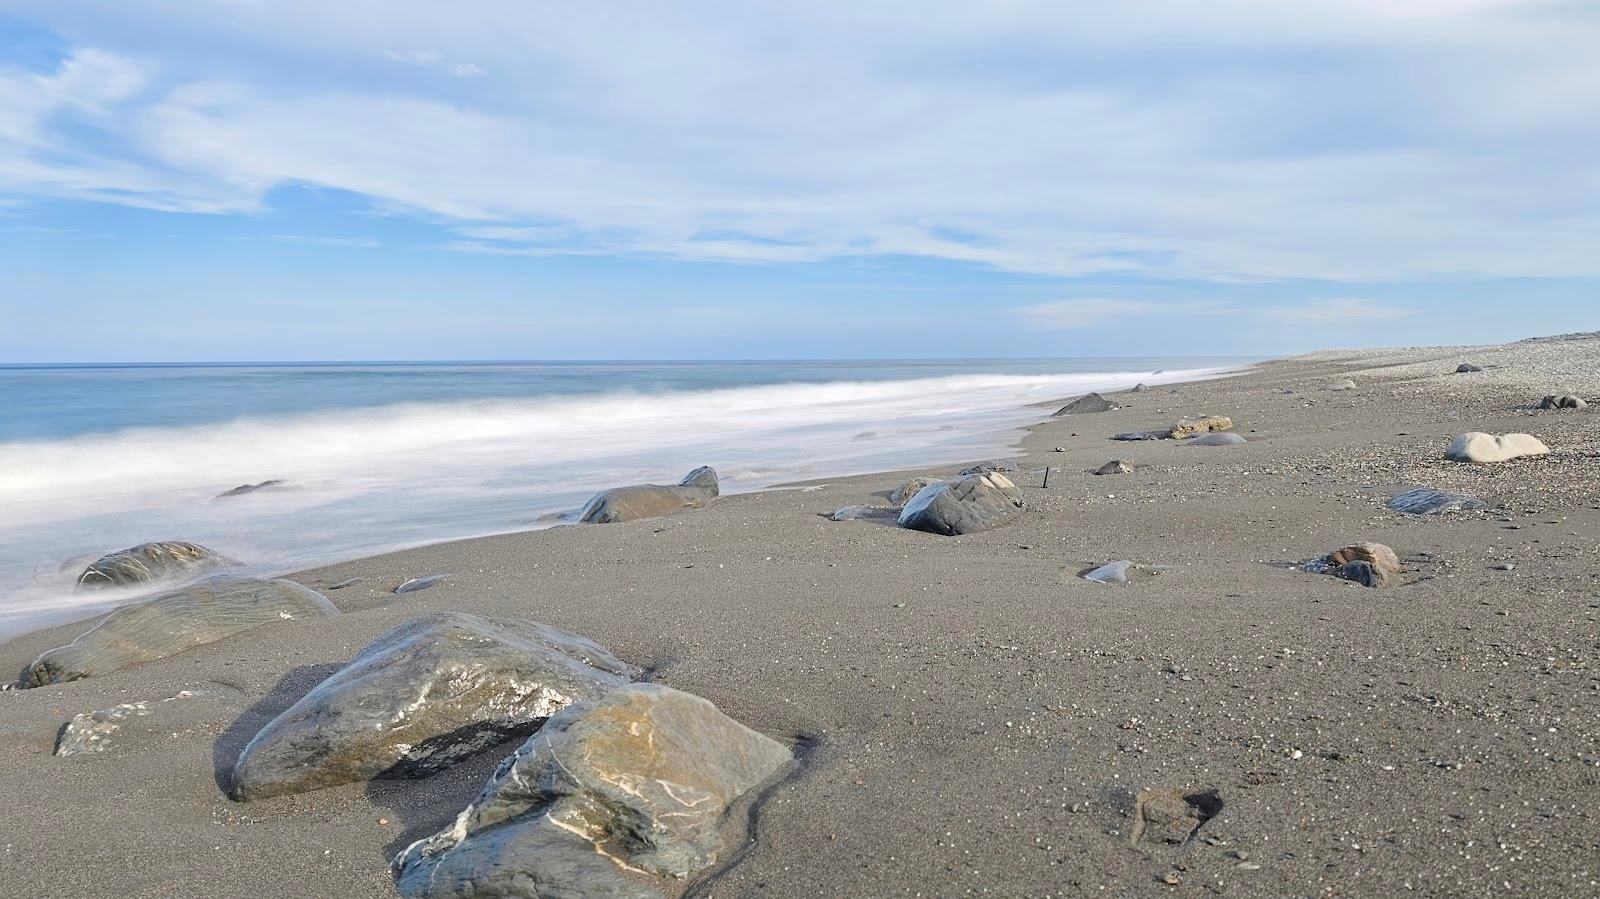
[972, 503]
[422, 697]
[1109, 573]
[1139, 435]
[102, 730]
[1205, 424]
[906, 491]
[697, 488]
[1117, 466]
[1226, 438]
[1087, 404]
[412, 585]
[168, 624]
[1467, 368]
[1427, 501]
[1480, 447]
[1346, 384]
[855, 513]
[1004, 466]
[640, 780]
[1562, 401]
[149, 563]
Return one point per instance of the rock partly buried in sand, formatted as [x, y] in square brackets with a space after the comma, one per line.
[1138, 388]
[1139, 435]
[1205, 424]
[1117, 466]
[242, 489]
[856, 513]
[906, 491]
[1087, 404]
[422, 697]
[1004, 466]
[639, 781]
[1480, 447]
[151, 562]
[972, 503]
[1467, 368]
[1225, 438]
[697, 488]
[412, 585]
[1427, 501]
[1560, 401]
[94, 732]
[1368, 564]
[1346, 384]
[172, 622]
[1109, 573]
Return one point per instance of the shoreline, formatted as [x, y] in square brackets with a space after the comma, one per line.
[978, 717]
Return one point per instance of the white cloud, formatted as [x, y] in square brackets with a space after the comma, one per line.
[1337, 311]
[1066, 315]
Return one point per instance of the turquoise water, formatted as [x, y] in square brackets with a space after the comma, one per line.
[379, 456]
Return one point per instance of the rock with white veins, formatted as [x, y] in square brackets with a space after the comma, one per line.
[1479, 447]
[639, 782]
[696, 490]
[422, 697]
[151, 562]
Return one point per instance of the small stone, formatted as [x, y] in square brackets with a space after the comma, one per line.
[1346, 384]
[1087, 404]
[1476, 446]
[420, 583]
[1222, 439]
[1061, 449]
[1467, 368]
[1109, 573]
[1116, 466]
[1506, 566]
[1427, 501]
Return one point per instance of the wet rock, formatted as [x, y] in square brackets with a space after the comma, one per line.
[97, 731]
[1205, 424]
[168, 624]
[640, 780]
[906, 491]
[1109, 573]
[1560, 401]
[1004, 466]
[972, 503]
[1427, 501]
[151, 562]
[1087, 404]
[1226, 438]
[1480, 447]
[412, 585]
[242, 489]
[1117, 466]
[1467, 368]
[422, 697]
[696, 489]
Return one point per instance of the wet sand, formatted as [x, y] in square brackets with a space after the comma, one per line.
[975, 719]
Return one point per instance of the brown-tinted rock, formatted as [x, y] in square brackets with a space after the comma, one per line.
[151, 562]
[640, 780]
[1205, 424]
[696, 489]
[422, 697]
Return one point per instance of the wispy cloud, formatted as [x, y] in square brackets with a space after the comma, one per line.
[1337, 311]
[1075, 314]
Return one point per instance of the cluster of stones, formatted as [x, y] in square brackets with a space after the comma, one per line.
[1206, 430]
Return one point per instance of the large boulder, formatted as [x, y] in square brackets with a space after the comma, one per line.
[906, 491]
[640, 781]
[975, 502]
[151, 562]
[1427, 501]
[1479, 447]
[422, 697]
[1087, 404]
[172, 622]
[1205, 424]
[697, 488]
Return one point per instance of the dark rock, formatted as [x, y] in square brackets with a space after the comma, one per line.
[639, 780]
[1427, 501]
[1139, 388]
[242, 489]
[1087, 404]
[1117, 466]
[1004, 466]
[1139, 435]
[906, 491]
[1226, 438]
[422, 697]
[412, 585]
[168, 624]
[1368, 564]
[1467, 368]
[696, 489]
[972, 503]
[151, 562]
[1560, 401]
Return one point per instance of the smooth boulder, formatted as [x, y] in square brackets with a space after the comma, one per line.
[906, 491]
[1562, 401]
[1086, 405]
[421, 697]
[1117, 466]
[639, 781]
[968, 504]
[1109, 573]
[1480, 447]
[168, 624]
[697, 488]
[149, 563]
[1224, 438]
[1427, 501]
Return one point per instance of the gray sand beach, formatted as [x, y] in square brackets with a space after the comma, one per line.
[970, 716]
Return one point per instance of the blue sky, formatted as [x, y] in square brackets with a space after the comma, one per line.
[190, 180]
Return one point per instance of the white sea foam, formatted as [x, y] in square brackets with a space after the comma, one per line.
[372, 479]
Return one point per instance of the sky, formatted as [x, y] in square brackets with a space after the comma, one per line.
[487, 179]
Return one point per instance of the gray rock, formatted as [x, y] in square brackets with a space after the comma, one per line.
[168, 624]
[906, 491]
[1368, 564]
[639, 780]
[1087, 404]
[412, 585]
[1560, 401]
[1109, 573]
[696, 489]
[1467, 368]
[242, 489]
[96, 732]
[150, 563]
[1346, 384]
[1427, 501]
[1117, 466]
[1004, 466]
[1226, 438]
[1139, 388]
[1139, 435]
[855, 513]
[422, 697]
[972, 503]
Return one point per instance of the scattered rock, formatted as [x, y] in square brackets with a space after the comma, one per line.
[1117, 466]
[906, 491]
[1004, 466]
[347, 582]
[1467, 368]
[92, 732]
[1205, 424]
[1139, 435]
[1559, 401]
[422, 697]
[151, 562]
[168, 624]
[972, 503]
[1087, 404]
[1427, 501]
[412, 585]
[242, 489]
[1368, 564]
[696, 489]
[1226, 438]
[1061, 449]
[1168, 816]
[1139, 388]
[855, 513]
[1109, 573]
[638, 781]
[1346, 384]
[1505, 566]
[1480, 447]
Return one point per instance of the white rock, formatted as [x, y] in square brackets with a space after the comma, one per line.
[1480, 447]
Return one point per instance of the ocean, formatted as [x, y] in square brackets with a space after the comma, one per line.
[382, 456]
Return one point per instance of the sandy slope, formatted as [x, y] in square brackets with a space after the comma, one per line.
[976, 719]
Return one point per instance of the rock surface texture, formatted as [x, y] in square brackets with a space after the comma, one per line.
[906, 491]
[1205, 424]
[151, 562]
[1117, 466]
[1227, 438]
[609, 796]
[972, 503]
[1368, 564]
[697, 488]
[1087, 404]
[168, 624]
[1480, 447]
[1427, 501]
[422, 697]
[1004, 466]
[1563, 401]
